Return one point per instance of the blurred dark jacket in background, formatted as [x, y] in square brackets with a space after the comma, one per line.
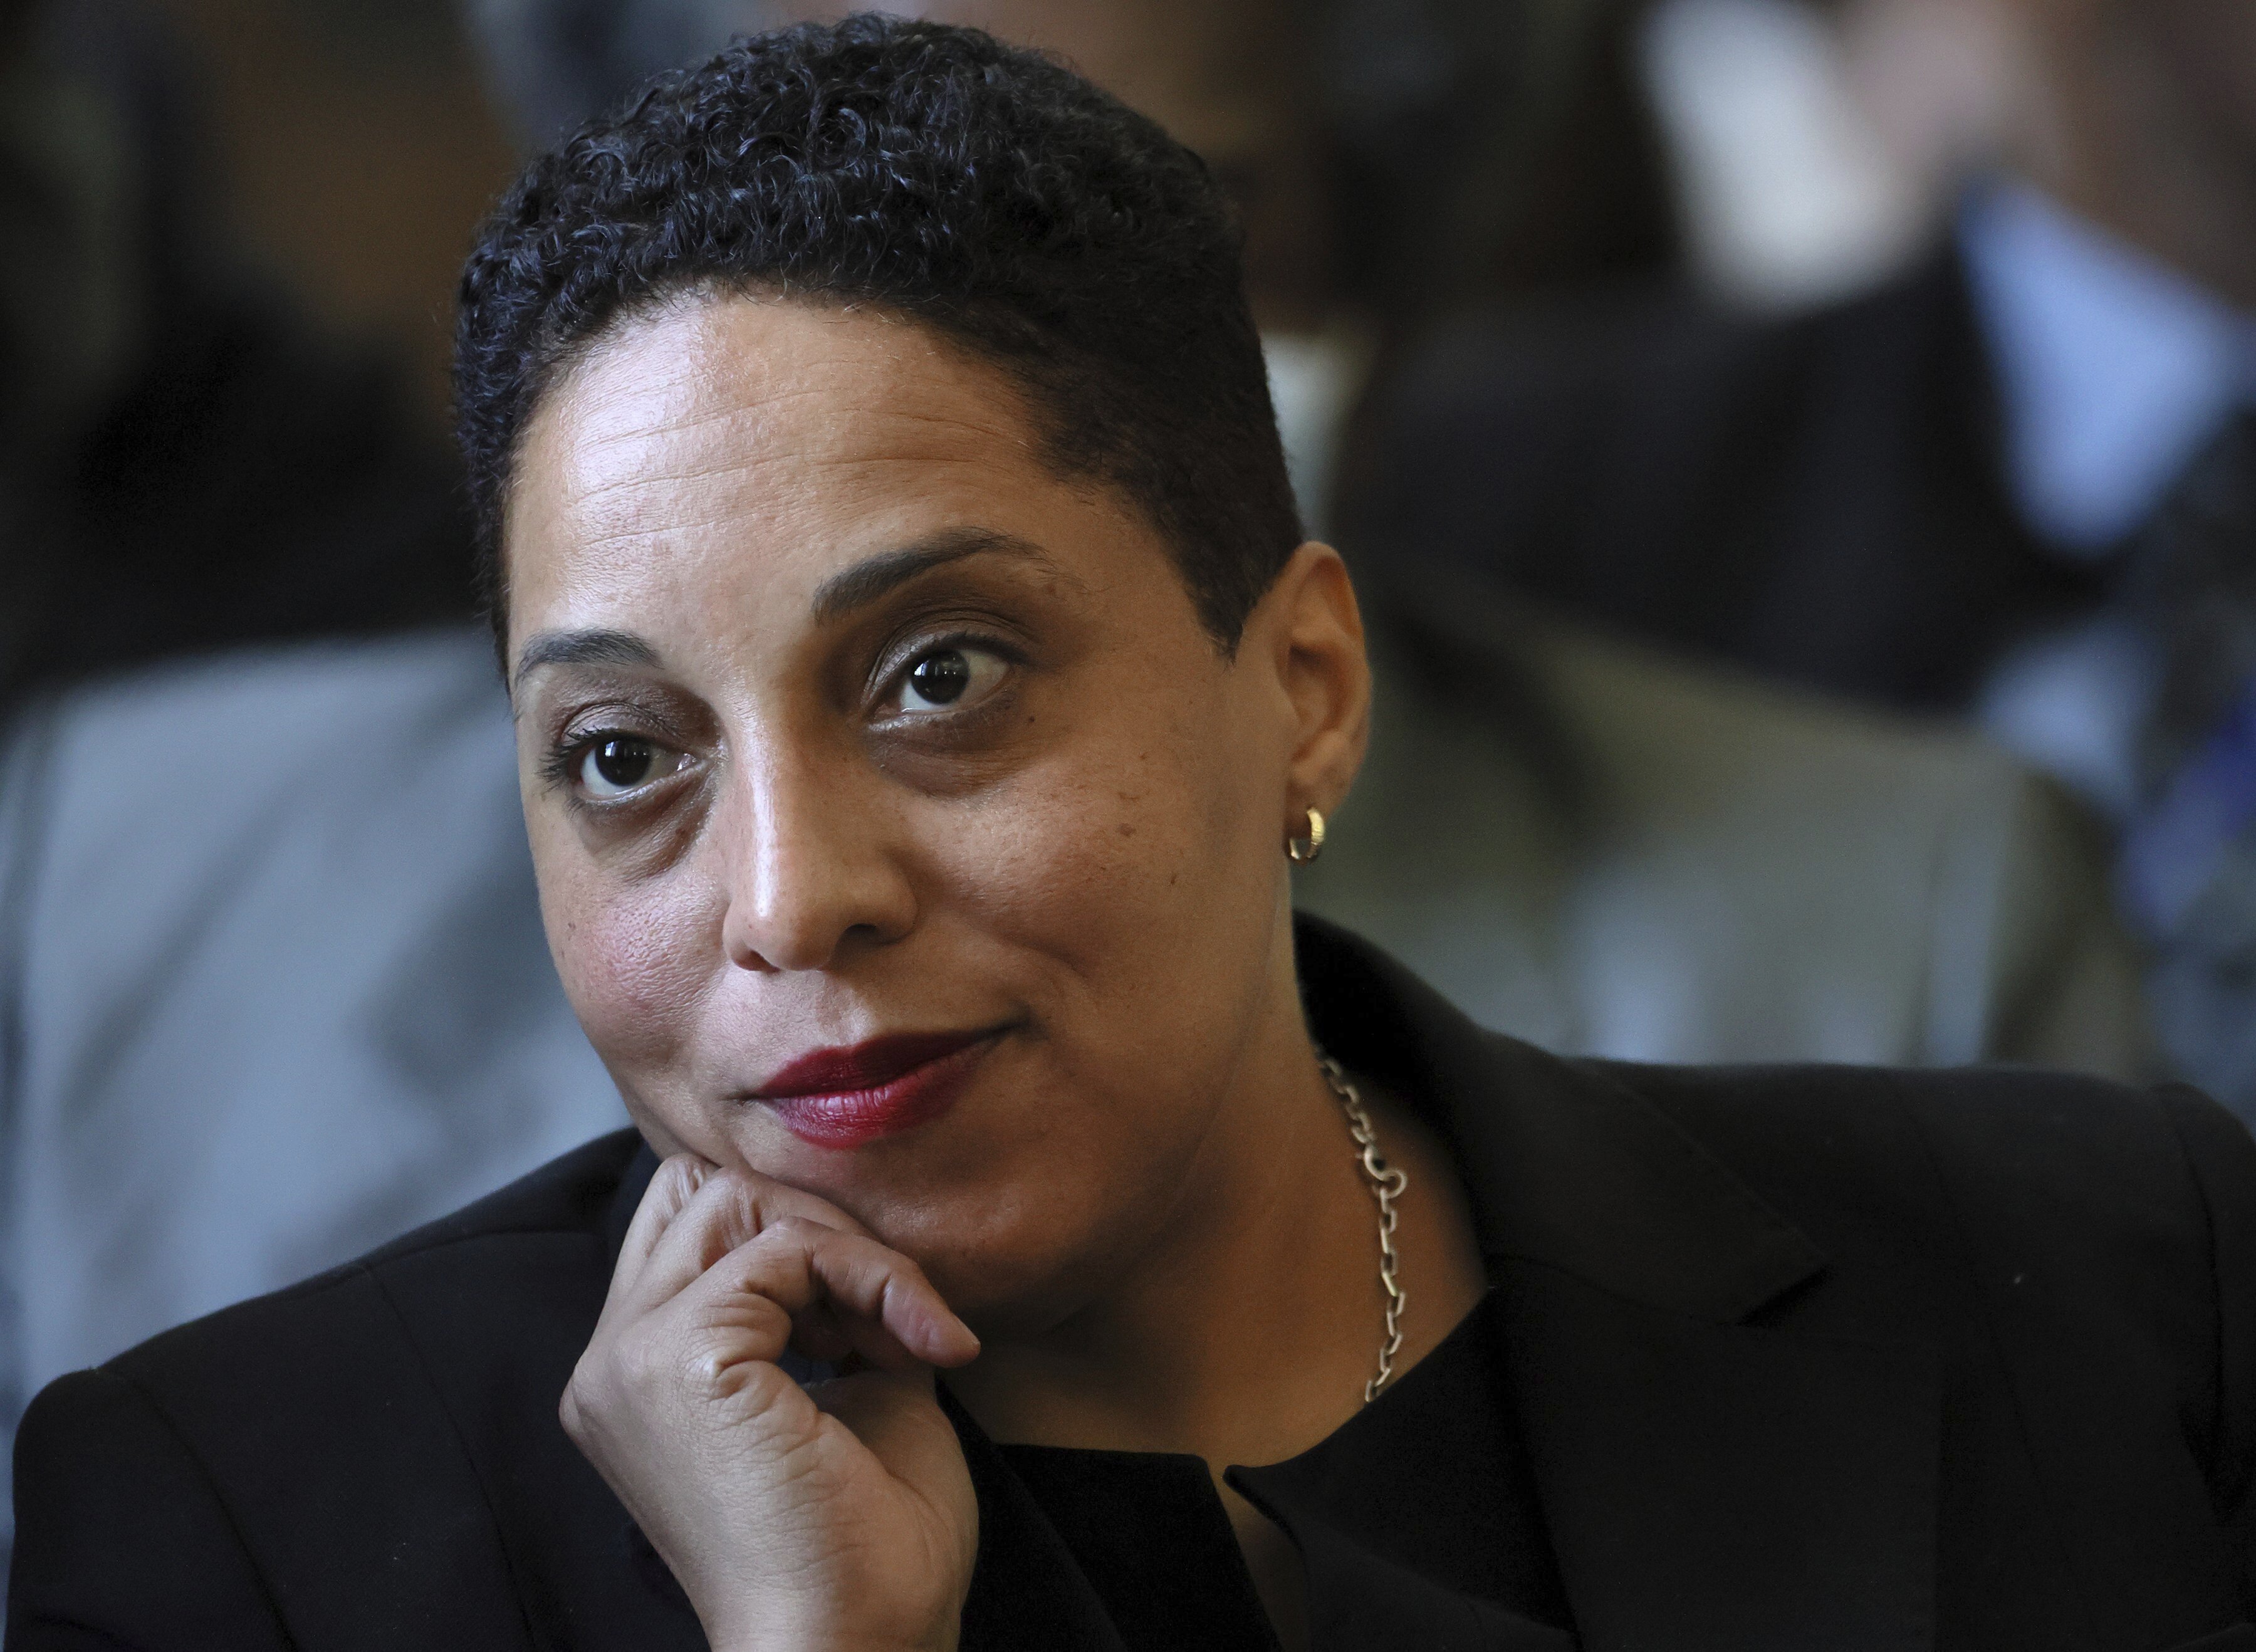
[1820, 500]
[184, 463]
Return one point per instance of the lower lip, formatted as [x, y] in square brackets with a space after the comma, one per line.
[855, 1117]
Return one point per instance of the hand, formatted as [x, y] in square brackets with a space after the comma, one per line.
[835, 1517]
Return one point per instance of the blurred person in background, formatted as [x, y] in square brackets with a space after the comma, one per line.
[187, 463]
[2015, 483]
[249, 712]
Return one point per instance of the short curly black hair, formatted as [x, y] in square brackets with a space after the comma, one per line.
[984, 191]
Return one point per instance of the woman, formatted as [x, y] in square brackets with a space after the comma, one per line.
[922, 693]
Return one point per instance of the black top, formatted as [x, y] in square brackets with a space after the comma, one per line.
[1417, 1522]
[1802, 1357]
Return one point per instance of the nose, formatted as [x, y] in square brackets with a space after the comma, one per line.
[811, 876]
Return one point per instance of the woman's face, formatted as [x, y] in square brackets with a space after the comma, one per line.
[842, 718]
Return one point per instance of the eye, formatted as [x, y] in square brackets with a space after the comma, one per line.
[614, 764]
[949, 679]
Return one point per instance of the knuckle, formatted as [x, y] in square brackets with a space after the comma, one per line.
[764, 1315]
[752, 1317]
[586, 1376]
[644, 1365]
[680, 1176]
[714, 1363]
[906, 1273]
[797, 1229]
[590, 1395]
[757, 1200]
[706, 1361]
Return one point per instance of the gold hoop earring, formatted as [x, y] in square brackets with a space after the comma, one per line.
[1301, 850]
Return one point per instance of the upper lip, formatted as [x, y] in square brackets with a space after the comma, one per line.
[846, 1067]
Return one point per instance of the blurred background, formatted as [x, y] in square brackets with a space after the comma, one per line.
[1797, 453]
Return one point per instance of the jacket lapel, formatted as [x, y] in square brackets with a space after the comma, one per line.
[1712, 1485]
[1711, 1479]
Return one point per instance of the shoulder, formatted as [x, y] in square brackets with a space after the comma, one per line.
[550, 1222]
[1696, 830]
[2031, 1129]
[2064, 1270]
[1633, 710]
[2099, 1198]
[2025, 1131]
[2083, 1252]
[1729, 732]
[389, 1407]
[1910, 857]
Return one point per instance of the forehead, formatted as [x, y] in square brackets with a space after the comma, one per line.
[717, 427]
[707, 394]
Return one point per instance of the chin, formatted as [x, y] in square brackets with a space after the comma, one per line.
[1007, 1265]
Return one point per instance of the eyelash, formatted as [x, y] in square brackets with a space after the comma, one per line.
[901, 660]
[559, 767]
[562, 762]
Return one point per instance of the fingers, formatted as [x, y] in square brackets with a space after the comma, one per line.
[872, 1300]
[693, 1214]
[671, 1186]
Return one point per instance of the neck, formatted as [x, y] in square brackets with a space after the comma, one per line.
[1246, 1332]
[2109, 133]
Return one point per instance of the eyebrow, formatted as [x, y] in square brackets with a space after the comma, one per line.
[596, 648]
[843, 592]
[868, 580]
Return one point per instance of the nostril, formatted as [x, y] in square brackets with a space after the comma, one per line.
[793, 912]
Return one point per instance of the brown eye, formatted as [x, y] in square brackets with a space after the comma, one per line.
[940, 679]
[948, 679]
[618, 763]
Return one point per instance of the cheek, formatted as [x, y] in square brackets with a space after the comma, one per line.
[1128, 906]
[636, 961]
[1124, 860]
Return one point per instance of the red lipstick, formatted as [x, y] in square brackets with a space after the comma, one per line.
[850, 1095]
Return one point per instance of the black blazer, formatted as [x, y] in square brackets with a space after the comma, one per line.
[1821, 498]
[1805, 1358]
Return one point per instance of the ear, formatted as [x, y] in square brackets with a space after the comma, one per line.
[1310, 634]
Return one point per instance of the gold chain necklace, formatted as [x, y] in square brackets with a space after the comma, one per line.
[1386, 1185]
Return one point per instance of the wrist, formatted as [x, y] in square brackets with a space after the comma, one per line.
[783, 1636]
[786, 1640]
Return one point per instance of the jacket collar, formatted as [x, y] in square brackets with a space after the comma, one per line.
[1566, 1167]
[1713, 1479]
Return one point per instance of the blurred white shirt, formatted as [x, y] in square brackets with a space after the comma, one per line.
[2114, 371]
